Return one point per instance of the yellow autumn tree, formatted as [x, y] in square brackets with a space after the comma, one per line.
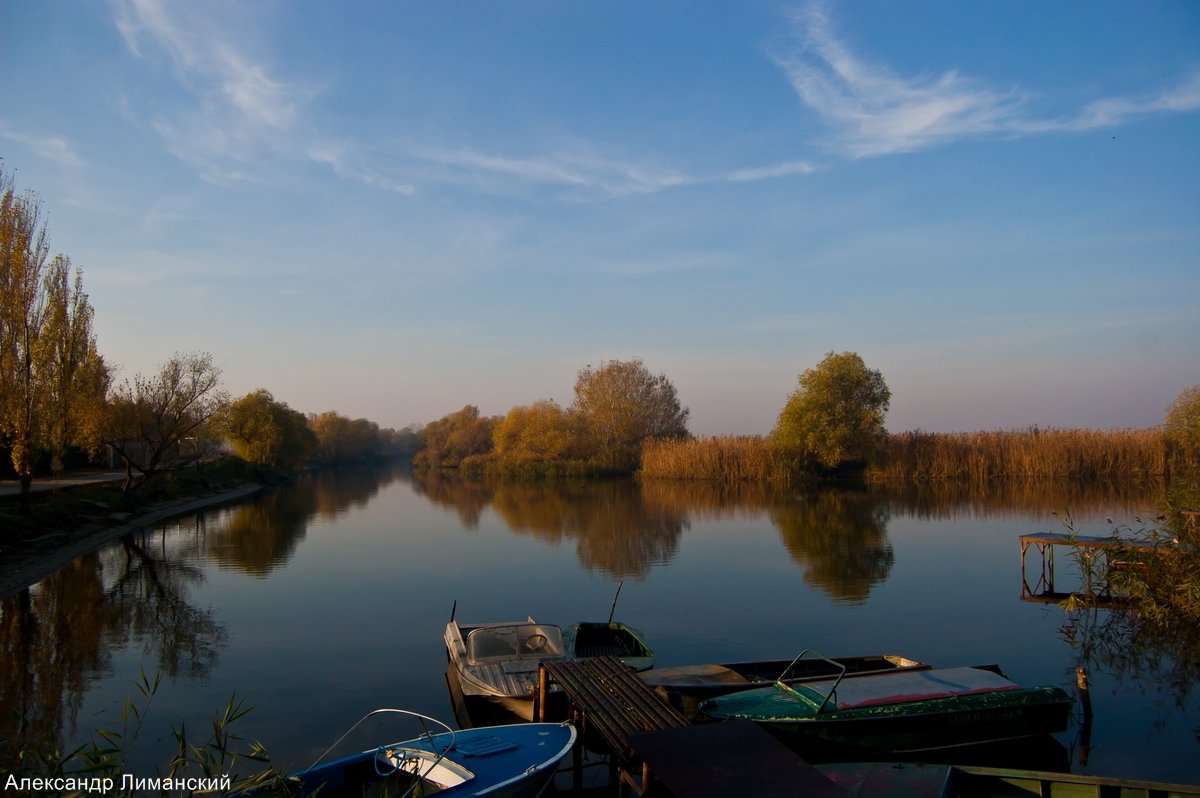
[542, 432]
[52, 379]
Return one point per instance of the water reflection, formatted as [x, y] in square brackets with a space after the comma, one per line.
[840, 540]
[56, 637]
[939, 499]
[150, 596]
[615, 529]
[260, 536]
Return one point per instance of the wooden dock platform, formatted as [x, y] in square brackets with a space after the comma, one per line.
[1114, 553]
[606, 700]
[732, 757]
[652, 743]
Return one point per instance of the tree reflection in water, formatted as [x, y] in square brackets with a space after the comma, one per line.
[58, 634]
[615, 529]
[840, 540]
[55, 637]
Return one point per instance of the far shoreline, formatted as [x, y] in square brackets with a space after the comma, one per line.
[24, 567]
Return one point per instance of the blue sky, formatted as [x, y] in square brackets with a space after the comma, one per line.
[395, 209]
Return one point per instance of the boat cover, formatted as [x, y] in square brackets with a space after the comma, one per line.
[905, 686]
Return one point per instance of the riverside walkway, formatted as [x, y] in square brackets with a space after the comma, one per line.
[12, 487]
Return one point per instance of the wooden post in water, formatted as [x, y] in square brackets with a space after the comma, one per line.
[1085, 728]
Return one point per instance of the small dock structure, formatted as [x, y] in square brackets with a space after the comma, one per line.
[607, 702]
[652, 743]
[1096, 558]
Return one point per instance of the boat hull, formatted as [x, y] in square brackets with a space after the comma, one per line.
[508, 679]
[709, 681]
[902, 712]
[516, 761]
[937, 727]
[905, 780]
[597, 639]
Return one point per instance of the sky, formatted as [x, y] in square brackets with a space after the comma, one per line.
[395, 209]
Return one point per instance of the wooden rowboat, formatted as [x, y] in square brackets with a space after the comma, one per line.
[912, 710]
[611, 639]
[700, 682]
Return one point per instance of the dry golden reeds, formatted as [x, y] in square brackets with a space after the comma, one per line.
[724, 458]
[1031, 453]
[1023, 454]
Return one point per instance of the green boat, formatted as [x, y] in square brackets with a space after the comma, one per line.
[912, 710]
[904, 780]
[611, 639]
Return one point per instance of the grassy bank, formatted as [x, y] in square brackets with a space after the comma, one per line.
[104, 504]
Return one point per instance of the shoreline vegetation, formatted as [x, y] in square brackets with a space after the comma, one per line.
[1028, 454]
[59, 525]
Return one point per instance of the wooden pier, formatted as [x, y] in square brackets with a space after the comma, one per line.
[1097, 557]
[652, 743]
[607, 702]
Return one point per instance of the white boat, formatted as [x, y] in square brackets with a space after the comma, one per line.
[499, 661]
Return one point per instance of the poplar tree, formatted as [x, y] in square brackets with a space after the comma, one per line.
[23, 252]
[52, 379]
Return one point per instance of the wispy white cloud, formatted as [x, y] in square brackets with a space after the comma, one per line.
[774, 170]
[236, 110]
[52, 148]
[597, 174]
[340, 157]
[873, 111]
[1118, 110]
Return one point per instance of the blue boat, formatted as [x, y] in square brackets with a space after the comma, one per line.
[514, 761]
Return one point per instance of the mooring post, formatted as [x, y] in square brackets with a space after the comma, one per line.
[1085, 728]
[1085, 697]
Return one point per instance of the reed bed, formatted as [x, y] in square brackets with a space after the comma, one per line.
[723, 458]
[1023, 454]
[1031, 453]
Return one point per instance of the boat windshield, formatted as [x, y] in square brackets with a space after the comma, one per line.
[520, 641]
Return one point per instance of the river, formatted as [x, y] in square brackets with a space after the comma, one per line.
[326, 598]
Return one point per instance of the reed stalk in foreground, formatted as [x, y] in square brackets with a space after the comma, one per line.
[223, 765]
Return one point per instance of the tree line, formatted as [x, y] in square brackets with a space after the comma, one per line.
[625, 419]
[60, 399]
[622, 412]
[58, 396]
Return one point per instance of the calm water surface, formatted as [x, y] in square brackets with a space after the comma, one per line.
[327, 598]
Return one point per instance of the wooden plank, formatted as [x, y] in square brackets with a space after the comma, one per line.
[735, 757]
[612, 700]
[1094, 542]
